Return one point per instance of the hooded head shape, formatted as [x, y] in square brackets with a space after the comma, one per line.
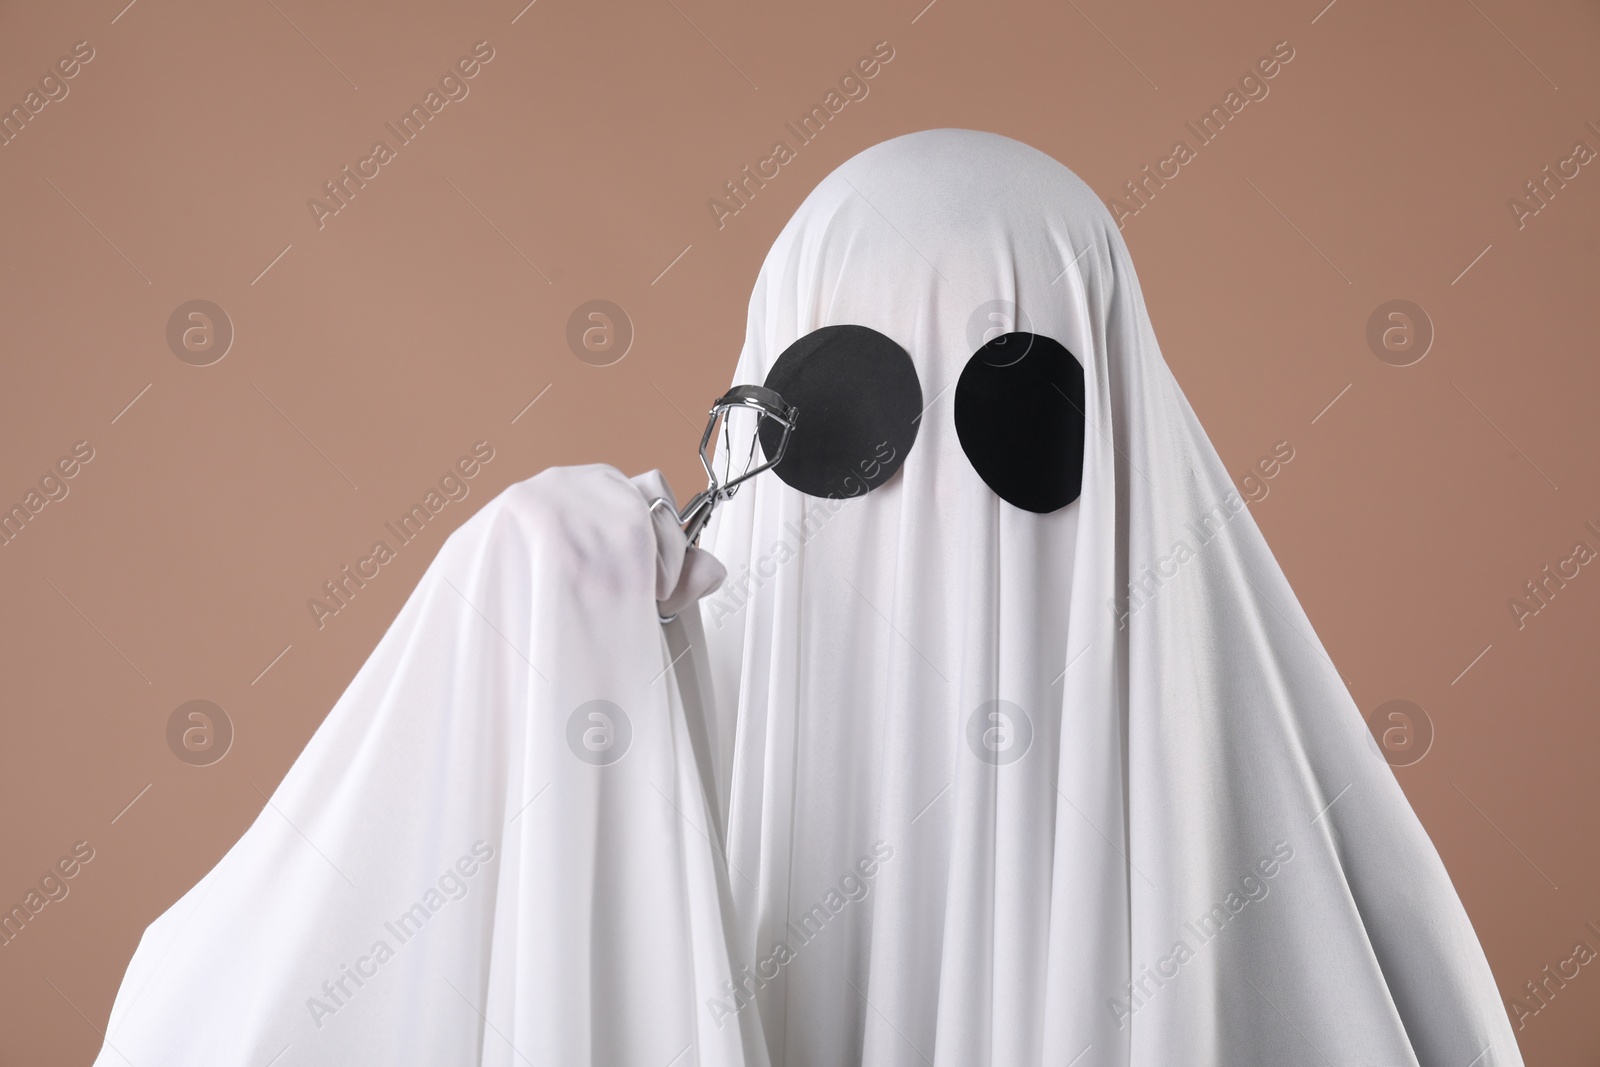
[1017, 786]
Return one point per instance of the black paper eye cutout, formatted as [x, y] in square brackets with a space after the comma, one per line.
[1019, 416]
[858, 399]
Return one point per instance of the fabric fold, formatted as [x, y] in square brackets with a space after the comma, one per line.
[498, 847]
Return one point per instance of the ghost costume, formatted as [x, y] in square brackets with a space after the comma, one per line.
[1018, 787]
[988, 751]
[499, 847]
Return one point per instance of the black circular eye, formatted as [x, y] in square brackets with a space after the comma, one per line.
[1020, 418]
[858, 399]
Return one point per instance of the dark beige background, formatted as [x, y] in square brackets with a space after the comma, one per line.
[424, 317]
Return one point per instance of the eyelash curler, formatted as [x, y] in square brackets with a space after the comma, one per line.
[767, 404]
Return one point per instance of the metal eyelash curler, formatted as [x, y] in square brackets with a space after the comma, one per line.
[767, 404]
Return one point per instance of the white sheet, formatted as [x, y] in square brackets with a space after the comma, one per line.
[980, 806]
[441, 878]
[1200, 857]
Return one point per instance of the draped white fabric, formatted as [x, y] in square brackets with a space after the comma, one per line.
[472, 862]
[977, 786]
[1174, 842]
